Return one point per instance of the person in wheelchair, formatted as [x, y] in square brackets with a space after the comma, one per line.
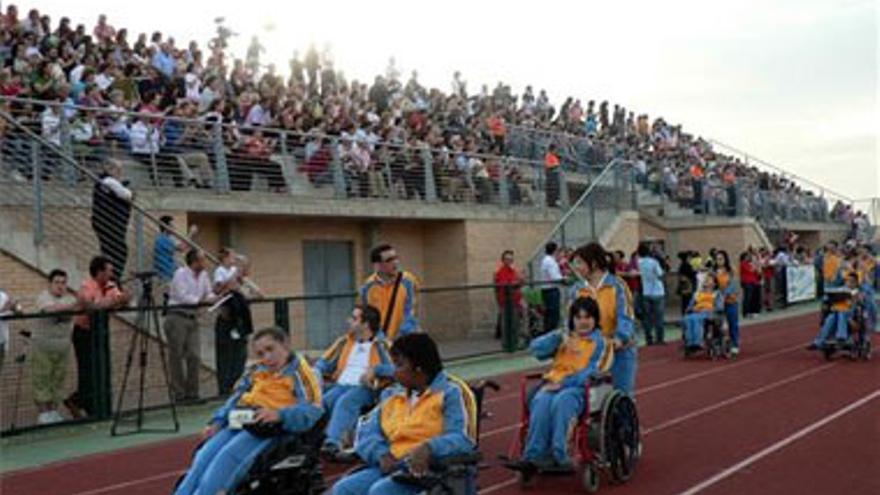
[280, 394]
[837, 320]
[353, 367]
[578, 353]
[419, 420]
[706, 303]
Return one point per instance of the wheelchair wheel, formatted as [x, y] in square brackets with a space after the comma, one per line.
[590, 478]
[621, 437]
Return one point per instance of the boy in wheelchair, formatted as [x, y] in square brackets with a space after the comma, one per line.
[559, 400]
[420, 421]
[354, 367]
[279, 395]
[843, 305]
[705, 307]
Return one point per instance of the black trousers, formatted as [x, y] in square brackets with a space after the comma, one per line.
[230, 356]
[551, 300]
[84, 395]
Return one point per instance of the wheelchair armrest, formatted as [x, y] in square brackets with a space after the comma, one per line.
[599, 379]
[447, 462]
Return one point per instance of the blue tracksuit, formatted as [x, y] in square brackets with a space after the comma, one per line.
[223, 461]
[702, 306]
[401, 423]
[345, 402]
[552, 413]
[616, 320]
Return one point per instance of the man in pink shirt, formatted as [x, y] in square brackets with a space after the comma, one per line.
[99, 291]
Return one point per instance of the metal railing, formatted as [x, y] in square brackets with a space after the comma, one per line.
[177, 153]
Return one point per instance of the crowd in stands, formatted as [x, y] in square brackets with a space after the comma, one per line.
[383, 124]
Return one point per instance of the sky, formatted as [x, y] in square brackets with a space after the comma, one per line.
[791, 82]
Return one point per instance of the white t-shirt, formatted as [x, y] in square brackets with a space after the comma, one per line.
[358, 363]
[223, 274]
[550, 271]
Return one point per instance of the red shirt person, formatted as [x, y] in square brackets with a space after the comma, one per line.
[507, 274]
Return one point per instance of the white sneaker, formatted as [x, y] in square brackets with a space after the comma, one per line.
[56, 416]
[44, 418]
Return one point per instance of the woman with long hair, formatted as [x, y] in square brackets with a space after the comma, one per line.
[730, 292]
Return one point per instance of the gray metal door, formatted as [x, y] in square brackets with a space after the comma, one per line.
[329, 269]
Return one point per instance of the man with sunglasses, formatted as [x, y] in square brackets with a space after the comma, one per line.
[392, 291]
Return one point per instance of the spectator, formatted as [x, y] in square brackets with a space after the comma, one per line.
[98, 292]
[111, 210]
[189, 287]
[166, 247]
[750, 276]
[234, 322]
[654, 296]
[508, 275]
[550, 276]
[51, 347]
[551, 171]
[687, 280]
[8, 306]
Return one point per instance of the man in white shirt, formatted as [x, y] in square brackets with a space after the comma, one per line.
[550, 276]
[190, 285]
[351, 366]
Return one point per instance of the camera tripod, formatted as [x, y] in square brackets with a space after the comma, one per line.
[146, 328]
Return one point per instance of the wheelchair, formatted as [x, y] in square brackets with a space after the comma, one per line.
[455, 475]
[290, 467]
[716, 341]
[606, 440]
[859, 346]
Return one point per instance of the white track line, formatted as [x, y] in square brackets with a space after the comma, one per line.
[680, 419]
[780, 444]
[736, 398]
[120, 486]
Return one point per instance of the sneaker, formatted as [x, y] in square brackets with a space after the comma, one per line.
[56, 416]
[734, 351]
[813, 346]
[44, 418]
[561, 467]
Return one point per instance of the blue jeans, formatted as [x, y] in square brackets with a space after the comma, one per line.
[551, 417]
[693, 328]
[837, 322]
[222, 462]
[623, 371]
[371, 481]
[344, 402]
[731, 311]
[654, 308]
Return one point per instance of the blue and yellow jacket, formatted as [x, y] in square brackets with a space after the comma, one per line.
[703, 301]
[575, 357]
[295, 392]
[398, 425]
[830, 268]
[376, 292]
[615, 306]
[333, 362]
[728, 286]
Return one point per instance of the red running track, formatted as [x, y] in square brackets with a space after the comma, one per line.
[777, 420]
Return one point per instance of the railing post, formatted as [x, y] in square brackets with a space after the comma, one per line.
[509, 332]
[592, 217]
[563, 188]
[503, 185]
[139, 251]
[282, 315]
[101, 388]
[338, 173]
[222, 181]
[288, 168]
[37, 171]
[68, 170]
[430, 184]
